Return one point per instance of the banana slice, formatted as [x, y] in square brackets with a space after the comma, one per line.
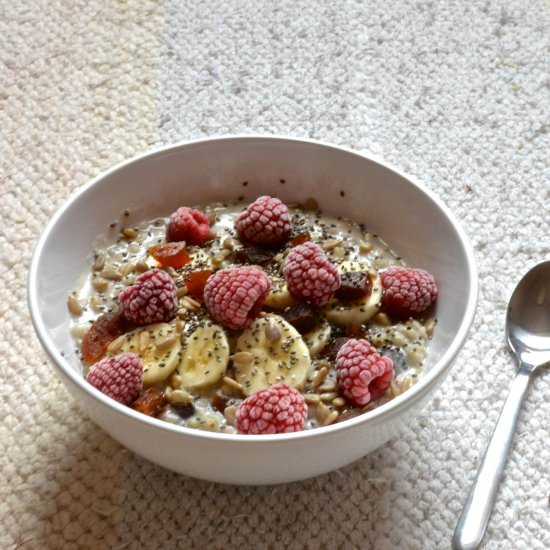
[359, 311]
[318, 338]
[269, 352]
[158, 346]
[279, 297]
[205, 357]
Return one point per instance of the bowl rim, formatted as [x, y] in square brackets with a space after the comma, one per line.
[388, 410]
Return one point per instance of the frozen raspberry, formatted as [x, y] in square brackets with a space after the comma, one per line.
[151, 299]
[266, 221]
[189, 225]
[119, 377]
[309, 275]
[362, 373]
[407, 291]
[279, 409]
[235, 296]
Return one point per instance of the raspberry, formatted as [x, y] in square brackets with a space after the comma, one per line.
[235, 296]
[279, 409]
[151, 299]
[309, 275]
[362, 373]
[407, 291]
[120, 377]
[189, 225]
[266, 221]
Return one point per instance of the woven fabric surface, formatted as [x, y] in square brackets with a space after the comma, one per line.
[455, 93]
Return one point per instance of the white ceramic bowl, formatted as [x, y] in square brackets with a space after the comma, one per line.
[410, 218]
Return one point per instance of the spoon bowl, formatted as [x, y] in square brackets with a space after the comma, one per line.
[528, 317]
[528, 336]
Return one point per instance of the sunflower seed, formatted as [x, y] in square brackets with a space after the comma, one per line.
[242, 358]
[143, 340]
[312, 398]
[272, 332]
[74, 306]
[365, 247]
[176, 381]
[180, 397]
[116, 344]
[181, 292]
[231, 385]
[331, 243]
[99, 261]
[320, 376]
[230, 414]
[229, 243]
[111, 274]
[328, 396]
[100, 284]
[129, 233]
[166, 343]
[330, 419]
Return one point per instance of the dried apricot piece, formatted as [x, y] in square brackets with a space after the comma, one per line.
[103, 331]
[195, 283]
[170, 254]
[300, 239]
[151, 402]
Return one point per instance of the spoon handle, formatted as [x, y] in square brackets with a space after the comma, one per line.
[473, 521]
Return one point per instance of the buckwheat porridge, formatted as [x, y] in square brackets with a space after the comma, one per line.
[254, 319]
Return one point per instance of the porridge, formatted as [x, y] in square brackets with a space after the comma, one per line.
[258, 318]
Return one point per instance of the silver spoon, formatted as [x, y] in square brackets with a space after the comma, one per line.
[528, 336]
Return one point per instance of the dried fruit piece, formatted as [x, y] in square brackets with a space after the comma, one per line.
[170, 254]
[349, 413]
[184, 410]
[152, 402]
[331, 351]
[254, 255]
[195, 283]
[219, 401]
[103, 331]
[354, 285]
[356, 312]
[300, 239]
[303, 317]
